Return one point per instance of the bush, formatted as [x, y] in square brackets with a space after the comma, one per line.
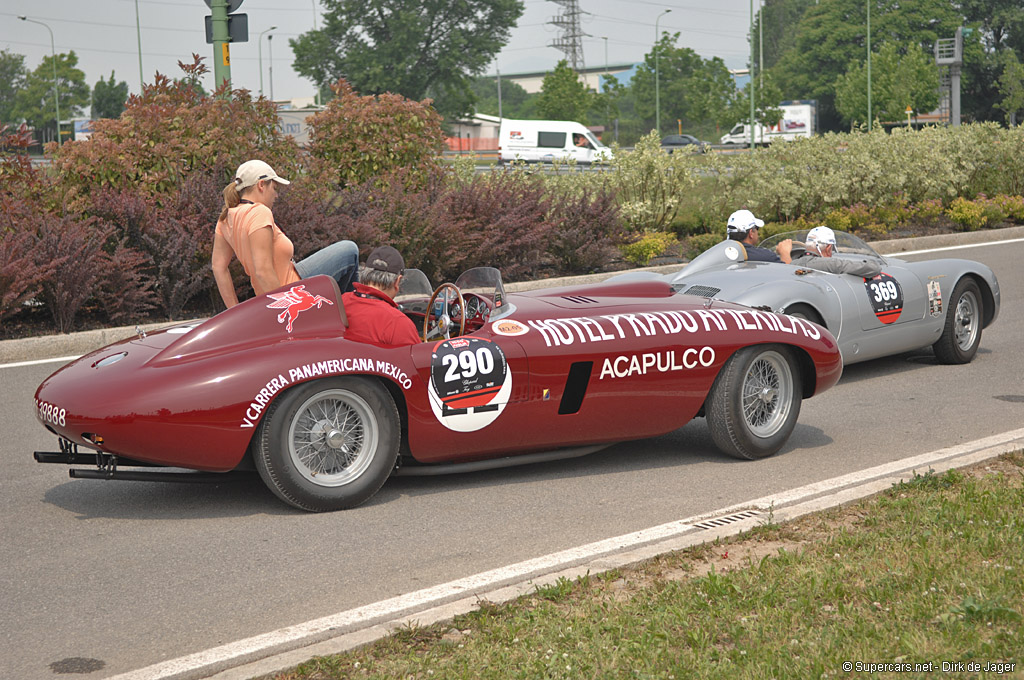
[648, 246]
[125, 288]
[649, 182]
[585, 232]
[179, 248]
[969, 215]
[169, 132]
[372, 136]
[21, 271]
[505, 219]
[78, 245]
[698, 243]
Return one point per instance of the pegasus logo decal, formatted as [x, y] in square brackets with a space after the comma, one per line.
[294, 301]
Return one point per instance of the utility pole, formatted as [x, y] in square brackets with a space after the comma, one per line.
[53, 56]
[753, 130]
[221, 41]
[869, 65]
[270, 56]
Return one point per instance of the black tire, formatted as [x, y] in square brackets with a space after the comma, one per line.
[753, 406]
[961, 333]
[328, 444]
[802, 311]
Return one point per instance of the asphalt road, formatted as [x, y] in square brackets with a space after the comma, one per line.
[117, 576]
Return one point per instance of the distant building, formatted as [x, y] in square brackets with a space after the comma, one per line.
[593, 78]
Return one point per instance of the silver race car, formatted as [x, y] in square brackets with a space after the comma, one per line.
[943, 303]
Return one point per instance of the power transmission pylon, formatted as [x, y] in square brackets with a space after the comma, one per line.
[570, 38]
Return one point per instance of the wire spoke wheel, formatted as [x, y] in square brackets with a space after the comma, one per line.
[332, 438]
[328, 444]
[754, 403]
[767, 391]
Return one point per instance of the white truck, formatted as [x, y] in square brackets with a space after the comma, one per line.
[547, 141]
[799, 119]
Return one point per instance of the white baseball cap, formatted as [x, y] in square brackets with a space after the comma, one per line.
[742, 221]
[822, 236]
[250, 172]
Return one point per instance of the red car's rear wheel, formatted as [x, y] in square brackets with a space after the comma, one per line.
[328, 444]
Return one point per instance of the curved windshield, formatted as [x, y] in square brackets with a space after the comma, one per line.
[486, 282]
[721, 254]
[845, 243]
[414, 292]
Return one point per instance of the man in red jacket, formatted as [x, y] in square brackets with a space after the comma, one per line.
[373, 316]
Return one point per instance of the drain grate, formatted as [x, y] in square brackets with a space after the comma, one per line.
[728, 519]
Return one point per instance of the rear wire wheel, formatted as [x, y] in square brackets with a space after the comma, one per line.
[753, 406]
[328, 444]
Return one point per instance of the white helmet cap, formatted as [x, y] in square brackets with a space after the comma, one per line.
[822, 236]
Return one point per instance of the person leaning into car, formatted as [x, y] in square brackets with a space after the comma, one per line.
[745, 228]
[821, 243]
[246, 230]
[373, 316]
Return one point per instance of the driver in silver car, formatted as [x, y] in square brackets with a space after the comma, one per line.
[821, 244]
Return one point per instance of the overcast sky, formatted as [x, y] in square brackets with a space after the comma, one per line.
[103, 35]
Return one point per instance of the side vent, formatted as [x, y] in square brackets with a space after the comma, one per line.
[575, 387]
[702, 291]
[579, 299]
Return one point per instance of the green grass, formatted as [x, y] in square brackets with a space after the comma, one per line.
[931, 571]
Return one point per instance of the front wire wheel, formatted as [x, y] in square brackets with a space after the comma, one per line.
[753, 406]
[328, 444]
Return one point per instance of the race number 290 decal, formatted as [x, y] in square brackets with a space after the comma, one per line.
[469, 383]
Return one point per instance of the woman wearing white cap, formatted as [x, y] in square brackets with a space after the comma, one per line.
[246, 230]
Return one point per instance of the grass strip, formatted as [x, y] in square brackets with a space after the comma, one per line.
[925, 574]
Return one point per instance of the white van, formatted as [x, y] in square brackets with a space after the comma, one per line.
[545, 141]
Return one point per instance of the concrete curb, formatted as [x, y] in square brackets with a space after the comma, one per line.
[787, 506]
[68, 344]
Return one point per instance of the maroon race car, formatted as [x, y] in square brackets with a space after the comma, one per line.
[273, 384]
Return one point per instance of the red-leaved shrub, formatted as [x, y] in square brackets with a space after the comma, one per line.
[125, 291]
[77, 245]
[503, 217]
[586, 231]
[21, 272]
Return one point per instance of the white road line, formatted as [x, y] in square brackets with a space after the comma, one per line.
[219, 657]
[40, 361]
[945, 248]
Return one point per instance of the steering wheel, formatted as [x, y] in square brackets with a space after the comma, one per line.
[452, 305]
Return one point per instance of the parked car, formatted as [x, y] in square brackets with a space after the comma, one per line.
[272, 384]
[684, 142]
[943, 303]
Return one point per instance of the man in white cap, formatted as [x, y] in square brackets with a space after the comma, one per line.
[745, 228]
[821, 244]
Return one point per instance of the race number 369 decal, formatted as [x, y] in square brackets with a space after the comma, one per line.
[885, 297]
[469, 383]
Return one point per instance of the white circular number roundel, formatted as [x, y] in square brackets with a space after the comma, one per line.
[885, 297]
[469, 383]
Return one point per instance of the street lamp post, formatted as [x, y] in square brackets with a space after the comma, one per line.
[657, 88]
[138, 37]
[259, 52]
[53, 52]
[270, 55]
[869, 64]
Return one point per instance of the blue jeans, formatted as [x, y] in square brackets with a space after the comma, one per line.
[339, 260]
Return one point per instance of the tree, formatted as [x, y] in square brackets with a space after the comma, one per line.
[415, 48]
[515, 101]
[34, 101]
[563, 96]
[900, 77]
[775, 24]
[696, 91]
[1011, 86]
[12, 79]
[833, 34]
[108, 98]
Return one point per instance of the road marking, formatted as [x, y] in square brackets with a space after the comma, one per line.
[945, 248]
[41, 361]
[291, 637]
